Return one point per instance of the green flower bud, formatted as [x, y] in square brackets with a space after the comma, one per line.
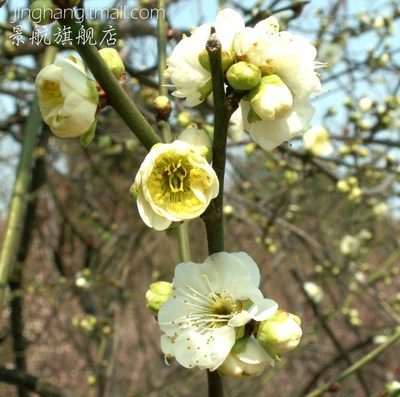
[279, 334]
[271, 99]
[66, 3]
[41, 12]
[158, 293]
[113, 60]
[184, 119]
[243, 76]
[205, 60]
[226, 60]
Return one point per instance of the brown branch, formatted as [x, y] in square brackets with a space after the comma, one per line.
[32, 383]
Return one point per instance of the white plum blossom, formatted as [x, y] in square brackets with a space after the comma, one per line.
[350, 245]
[175, 182]
[210, 305]
[313, 291]
[381, 210]
[316, 141]
[68, 99]
[331, 53]
[192, 79]
[292, 59]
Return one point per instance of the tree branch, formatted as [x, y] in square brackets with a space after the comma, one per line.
[32, 383]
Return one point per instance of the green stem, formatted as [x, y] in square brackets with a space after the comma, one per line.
[184, 242]
[215, 384]
[224, 106]
[162, 124]
[19, 198]
[356, 366]
[161, 48]
[116, 95]
[213, 217]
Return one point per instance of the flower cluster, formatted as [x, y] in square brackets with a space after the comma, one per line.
[210, 319]
[213, 316]
[275, 70]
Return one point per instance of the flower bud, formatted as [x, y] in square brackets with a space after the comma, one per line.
[246, 359]
[41, 12]
[113, 60]
[271, 99]
[157, 295]
[281, 333]
[184, 118]
[204, 60]
[66, 3]
[243, 76]
[163, 107]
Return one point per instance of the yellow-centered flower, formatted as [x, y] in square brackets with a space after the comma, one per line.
[175, 182]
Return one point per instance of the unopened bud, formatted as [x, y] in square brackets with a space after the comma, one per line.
[246, 359]
[113, 60]
[184, 118]
[204, 59]
[41, 12]
[271, 99]
[279, 334]
[66, 3]
[158, 293]
[163, 107]
[243, 76]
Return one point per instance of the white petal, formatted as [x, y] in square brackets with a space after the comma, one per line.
[232, 275]
[240, 319]
[195, 276]
[227, 23]
[253, 353]
[269, 134]
[204, 351]
[149, 217]
[251, 266]
[265, 308]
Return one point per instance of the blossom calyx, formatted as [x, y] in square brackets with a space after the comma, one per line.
[280, 333]
[243, 76]
[113, 60]
[68, 99]
[41, 12]
[271, 99]
[157, 294]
